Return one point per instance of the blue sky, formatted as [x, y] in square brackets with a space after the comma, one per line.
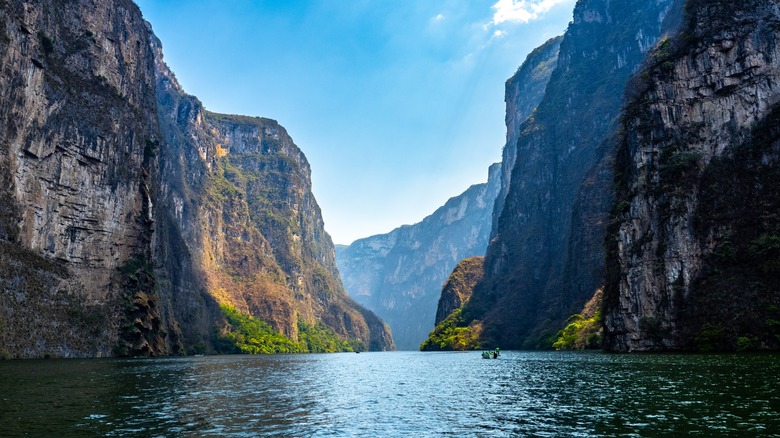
[398, 105]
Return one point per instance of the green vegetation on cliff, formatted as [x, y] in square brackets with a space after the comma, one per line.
[580, 333]
[452, 331]
[319, 338]
[584, 330]
[249, 335]
[459, 286]
[453, 334]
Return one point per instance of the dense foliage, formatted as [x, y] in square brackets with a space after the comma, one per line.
[453, 334]
[580, 333]
[249, 335]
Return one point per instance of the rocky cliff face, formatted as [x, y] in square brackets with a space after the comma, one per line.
[694, 246]
[125, 223]
[523, 92]
[459, 286]
[77, 111]
[399, 275]
[546, 258]
[240, 193]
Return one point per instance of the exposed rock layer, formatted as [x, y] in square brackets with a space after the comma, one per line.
[693, 250]
[125, 222]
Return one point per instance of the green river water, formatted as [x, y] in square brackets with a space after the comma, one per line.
[395, 394]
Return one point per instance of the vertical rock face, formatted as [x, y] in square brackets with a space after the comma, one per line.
[545, 259]
[129, 213]
[694, 248]
[237, 195]
[399, 275]
[524, 91]
[76, 113]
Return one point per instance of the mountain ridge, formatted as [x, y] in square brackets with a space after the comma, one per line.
[399, 274]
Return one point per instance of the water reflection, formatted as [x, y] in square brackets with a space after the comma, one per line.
[394, 394]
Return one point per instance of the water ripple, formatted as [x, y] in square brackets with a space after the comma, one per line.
[395, 394]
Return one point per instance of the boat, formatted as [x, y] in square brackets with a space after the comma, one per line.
[491, 354]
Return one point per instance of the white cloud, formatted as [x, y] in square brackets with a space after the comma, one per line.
[522, 11]
[439, 17]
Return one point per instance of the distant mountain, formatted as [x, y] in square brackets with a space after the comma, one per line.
[399, 275]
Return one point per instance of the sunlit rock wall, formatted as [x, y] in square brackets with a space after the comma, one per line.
[129, 213]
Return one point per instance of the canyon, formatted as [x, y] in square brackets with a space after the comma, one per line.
[132, 217]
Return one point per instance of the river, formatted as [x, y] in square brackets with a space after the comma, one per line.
[394, 394]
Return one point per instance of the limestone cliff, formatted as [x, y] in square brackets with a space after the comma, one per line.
[546, 256]
[694, 247]
[237, 192]
[523, 92]
[77, 110]
[125, 222]
[399, 275]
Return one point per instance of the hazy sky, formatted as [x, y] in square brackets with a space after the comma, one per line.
[398, 105]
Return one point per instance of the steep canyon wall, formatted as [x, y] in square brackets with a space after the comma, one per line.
[693, 248]
[130, 214]
[546, 257]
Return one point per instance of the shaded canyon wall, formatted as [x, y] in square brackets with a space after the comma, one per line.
[546, 256]
[693, 249]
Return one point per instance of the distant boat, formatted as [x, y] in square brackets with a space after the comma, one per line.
[491, 354]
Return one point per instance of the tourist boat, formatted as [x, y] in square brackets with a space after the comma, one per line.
[491, 354]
